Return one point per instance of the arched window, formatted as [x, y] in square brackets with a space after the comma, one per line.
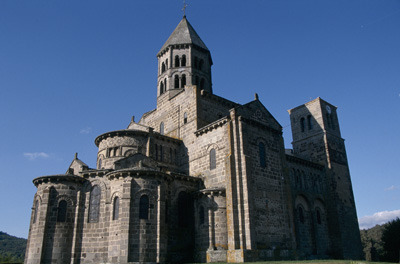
[185, 118]
[99, 164]
[185, 209]
[330, 121]
[201, 63]
[201, 215]
[62, 211]
[301, 214]
[202, 84]
[213, 159]
[302, 124]
[94, 204]
[309, 122]
[166, 64]
[161, 88]
[35, 212]
[183, 62]
[165, 84]
[176, 61]
[196, 62]
[162, 67]
[162, 128]
[183, 81]
[176, 82]
[319, 217]
[144, 207]
[261, 152]
[116, 208]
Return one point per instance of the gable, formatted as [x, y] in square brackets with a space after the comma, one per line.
[257, 112]
[76, 167]
[135, 126]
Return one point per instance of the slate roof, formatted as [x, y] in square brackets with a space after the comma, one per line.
[79, 161]
[184, 33]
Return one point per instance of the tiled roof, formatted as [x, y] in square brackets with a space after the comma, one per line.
[184, 33]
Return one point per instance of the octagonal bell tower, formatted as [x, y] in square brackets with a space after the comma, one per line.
[183, 60]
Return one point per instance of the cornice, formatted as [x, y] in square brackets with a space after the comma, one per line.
[212, 126]
[302, 161]
[218, 191]
[58, 178]
[138, 173]
[131, 132]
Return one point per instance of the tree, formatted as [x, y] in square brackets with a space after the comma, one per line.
[372, 243]
[12, 249]
[391, 240]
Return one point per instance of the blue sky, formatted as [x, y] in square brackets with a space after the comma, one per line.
[71, 70]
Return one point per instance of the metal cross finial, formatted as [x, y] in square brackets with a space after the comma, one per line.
[184, 8]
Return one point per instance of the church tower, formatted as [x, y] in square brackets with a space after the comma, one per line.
[183, 60]
[316, 137]
[201, 178]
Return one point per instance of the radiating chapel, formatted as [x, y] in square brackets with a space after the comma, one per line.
[201, 179]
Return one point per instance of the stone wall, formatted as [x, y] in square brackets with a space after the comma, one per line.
[201, 178]
[111, 238]
[53, 222]
[94, 234]
[268, 197]
[210, 226]
[215, 137]
[212, 108]
[316, 137]
[171, 112]
[309, 187]
[115, 148]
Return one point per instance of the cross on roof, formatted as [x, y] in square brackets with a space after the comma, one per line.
[184, 8]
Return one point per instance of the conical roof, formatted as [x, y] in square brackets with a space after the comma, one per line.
[184, 33]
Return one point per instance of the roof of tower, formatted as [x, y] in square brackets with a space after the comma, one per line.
[318, 99]
[184, 33]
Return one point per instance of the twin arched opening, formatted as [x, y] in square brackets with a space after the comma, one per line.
[311, 226]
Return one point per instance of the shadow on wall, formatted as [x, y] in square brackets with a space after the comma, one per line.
[58, 229]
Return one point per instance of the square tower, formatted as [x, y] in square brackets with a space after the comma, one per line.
[312, 124]
[316, 137]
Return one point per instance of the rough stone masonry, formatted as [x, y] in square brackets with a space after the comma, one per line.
[201, 178]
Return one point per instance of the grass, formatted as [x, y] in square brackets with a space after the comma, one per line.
[314, 262]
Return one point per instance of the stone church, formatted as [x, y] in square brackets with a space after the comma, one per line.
[201, 179]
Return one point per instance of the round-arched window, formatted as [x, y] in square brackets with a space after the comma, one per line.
[62, 211]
